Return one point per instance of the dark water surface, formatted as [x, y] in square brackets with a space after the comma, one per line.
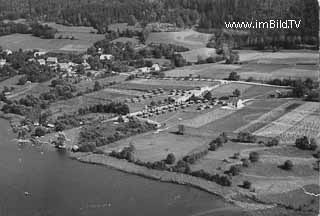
[59, 186]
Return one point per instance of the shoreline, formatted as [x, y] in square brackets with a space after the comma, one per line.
[224, 193]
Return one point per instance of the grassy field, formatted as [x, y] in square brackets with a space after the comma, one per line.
[259, 65]
[239, 118]
[196, 54]
[83, 40]
[188, 38]
[156, 146]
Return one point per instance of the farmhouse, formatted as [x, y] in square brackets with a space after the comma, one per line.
[106, 57]
[41, 61]
[40, 53]
[52, 60]
[235, 102]
[2, 62]
[155, 68]
[8, 52]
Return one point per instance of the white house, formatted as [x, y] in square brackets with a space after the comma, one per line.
[144, 70]
[8, 52]
[106, 57]
[40, 53]
[156, 67]
[52, 60]
[42, 61]
[2, 62]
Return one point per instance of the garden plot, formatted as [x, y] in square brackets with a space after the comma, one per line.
[267, 118]
[309, 126]
[207, 118]
[287, 121]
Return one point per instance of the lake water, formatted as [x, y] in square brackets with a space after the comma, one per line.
[59, 186]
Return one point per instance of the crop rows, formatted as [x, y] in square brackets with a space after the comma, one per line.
[264, 119]
[309, 126]
[287, 121]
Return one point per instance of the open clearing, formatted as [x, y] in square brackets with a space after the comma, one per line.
[83, 40]
[155, 147]
[188, 38]
[198, 54]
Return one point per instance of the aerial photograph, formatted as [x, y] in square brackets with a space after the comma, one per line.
[159, 108]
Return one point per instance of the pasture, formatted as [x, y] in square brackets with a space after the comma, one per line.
[83, 40]
[188, 38]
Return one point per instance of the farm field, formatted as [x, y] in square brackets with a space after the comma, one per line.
[258, 65]
[207, 118]
[188, 38]
[268, 117]
[83, 40]
[239, 118]
[213, 71]
[227, 90]
[196, 54]
[191, 84]
[156, 146]
[291, 119]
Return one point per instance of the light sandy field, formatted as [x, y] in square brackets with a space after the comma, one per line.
[207, 118]
[216, 71]
[267, 57]
[173, 83]
[289, 120]
[197, 54]
[188, 38]
[227, 90]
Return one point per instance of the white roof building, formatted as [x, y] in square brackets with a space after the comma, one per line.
[106, 57]
[52, 60]
[42, 61]
[40, 53]
[8, 52]
[3, 62]
[156, 67]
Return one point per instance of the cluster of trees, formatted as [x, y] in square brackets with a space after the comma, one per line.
[118, 108]
[43, 31]
[246, 137]
[95, 135]
[60, 90]
[65, 122]
[218, 142]
[181, 166]
[192, 158]
[36, 29]
[305, 143]
[207, 14]
[34, 72]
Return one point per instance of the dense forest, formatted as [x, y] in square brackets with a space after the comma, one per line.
[206, 14]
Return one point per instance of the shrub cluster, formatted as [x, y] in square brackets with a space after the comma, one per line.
[118, 108]
[218, 142]
[192, 158]
[305, 143]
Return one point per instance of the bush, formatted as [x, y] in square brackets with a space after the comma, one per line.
[246, 137]
[288, 165]
[305, 144]
[245, 162]
[40, 131]
[254, 157]
[246, 184]
[170, 159]
[234, 170]
[272, 142]
[88, 147]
